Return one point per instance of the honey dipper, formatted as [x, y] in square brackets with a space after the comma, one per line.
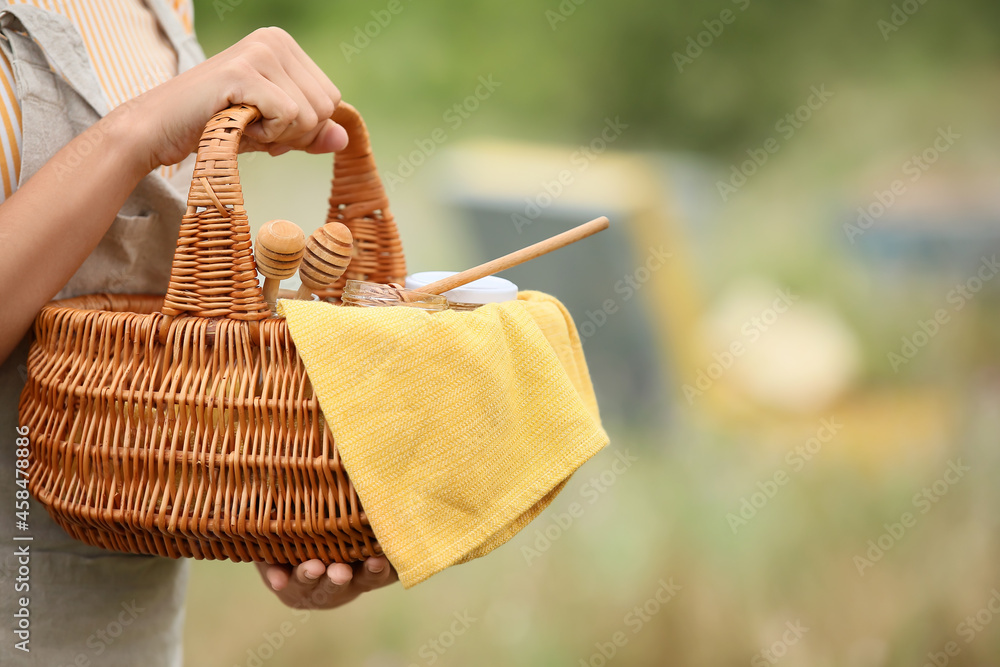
[278, 251]
[328, 251]
[517, 257]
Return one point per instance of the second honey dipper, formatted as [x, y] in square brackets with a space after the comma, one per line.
[328, 252]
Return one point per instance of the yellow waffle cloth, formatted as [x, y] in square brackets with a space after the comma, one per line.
[456, 428]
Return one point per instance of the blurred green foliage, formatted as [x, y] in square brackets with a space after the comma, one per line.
[561, 73]
[894, 89]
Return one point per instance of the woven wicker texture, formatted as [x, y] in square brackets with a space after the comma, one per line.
[358, 200]
[213, 273]
[186, 425]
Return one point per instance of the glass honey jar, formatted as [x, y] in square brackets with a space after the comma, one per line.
[490, 289]
[365, 294]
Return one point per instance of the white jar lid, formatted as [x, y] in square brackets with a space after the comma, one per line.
[490, 289]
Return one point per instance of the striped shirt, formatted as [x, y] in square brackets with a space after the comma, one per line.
[129, 53]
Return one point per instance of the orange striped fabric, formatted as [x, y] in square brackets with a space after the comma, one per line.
[129, 52]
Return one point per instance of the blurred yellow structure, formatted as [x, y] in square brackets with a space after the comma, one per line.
[530, 183]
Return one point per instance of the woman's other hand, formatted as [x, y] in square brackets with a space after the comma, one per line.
[314, 585]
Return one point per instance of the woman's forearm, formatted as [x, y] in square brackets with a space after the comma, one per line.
[52, 222]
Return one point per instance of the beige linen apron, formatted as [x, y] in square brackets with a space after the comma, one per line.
[87, 606]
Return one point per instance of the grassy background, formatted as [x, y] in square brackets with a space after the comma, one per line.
[666, 517]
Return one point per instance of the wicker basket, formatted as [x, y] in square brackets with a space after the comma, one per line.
[185, 424]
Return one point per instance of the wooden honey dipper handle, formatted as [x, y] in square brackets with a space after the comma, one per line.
[517, 257]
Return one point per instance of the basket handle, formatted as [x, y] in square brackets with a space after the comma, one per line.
[358, 200]
[214, 273]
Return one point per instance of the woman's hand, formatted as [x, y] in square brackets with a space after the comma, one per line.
[50, 224]
[313, 585]
[266, 69]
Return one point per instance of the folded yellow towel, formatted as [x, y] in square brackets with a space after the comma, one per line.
[457, 428]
